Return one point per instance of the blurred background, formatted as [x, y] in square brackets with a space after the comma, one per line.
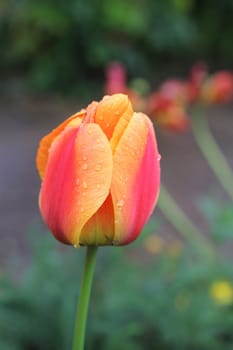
[53, 45]
[53, 58]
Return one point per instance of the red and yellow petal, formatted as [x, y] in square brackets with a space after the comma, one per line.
[110, 110]
[136, 178]
[47, 140]
[77, 180]
[99, 230]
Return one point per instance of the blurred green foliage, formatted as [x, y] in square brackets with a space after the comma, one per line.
[57, 44]
[171, 299]
[220, 218]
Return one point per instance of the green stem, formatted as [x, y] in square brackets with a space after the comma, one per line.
[181, 222]
[84, 296]
[211, 151]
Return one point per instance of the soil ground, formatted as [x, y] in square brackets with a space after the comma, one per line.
[24, 120]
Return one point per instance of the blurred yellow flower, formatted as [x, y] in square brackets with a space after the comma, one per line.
[153, 244]
[222, 291]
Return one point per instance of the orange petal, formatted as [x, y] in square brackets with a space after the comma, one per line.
[110, 110]
[47, 140]
[99, 230]
[77, 180]
[135, 182]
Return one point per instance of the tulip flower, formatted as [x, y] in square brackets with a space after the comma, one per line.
[100, 174]
[116, 79]
[197, 76]
[218, 88]
[116, 82]
[176, 90]
[198, 73]
[167, 113]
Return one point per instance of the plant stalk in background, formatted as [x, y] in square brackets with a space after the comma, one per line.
[211, 150]
[181, 222]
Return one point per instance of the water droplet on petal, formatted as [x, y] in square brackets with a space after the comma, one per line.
[84, 184]
[159, 157]
[98, 167]
[107, 125]
[101, 117]
[85, 166]
[120, 203]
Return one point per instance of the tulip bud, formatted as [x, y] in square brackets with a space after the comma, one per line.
[175, 90]
[218, 88]
[116, 79]
[167, 113]
[198, 73]
[100, 174]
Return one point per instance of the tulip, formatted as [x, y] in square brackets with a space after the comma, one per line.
[197, 76]
[100, 174]
[167, 113]
[116, 79]
[218, 88]
[176, 90]
[198, 73]
[116, 82]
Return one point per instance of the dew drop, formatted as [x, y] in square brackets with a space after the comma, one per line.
[98, 167]
[107, 125]
[101, 117]
[159, 157]
[85, 166]
[84, 184]
[120, 203]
